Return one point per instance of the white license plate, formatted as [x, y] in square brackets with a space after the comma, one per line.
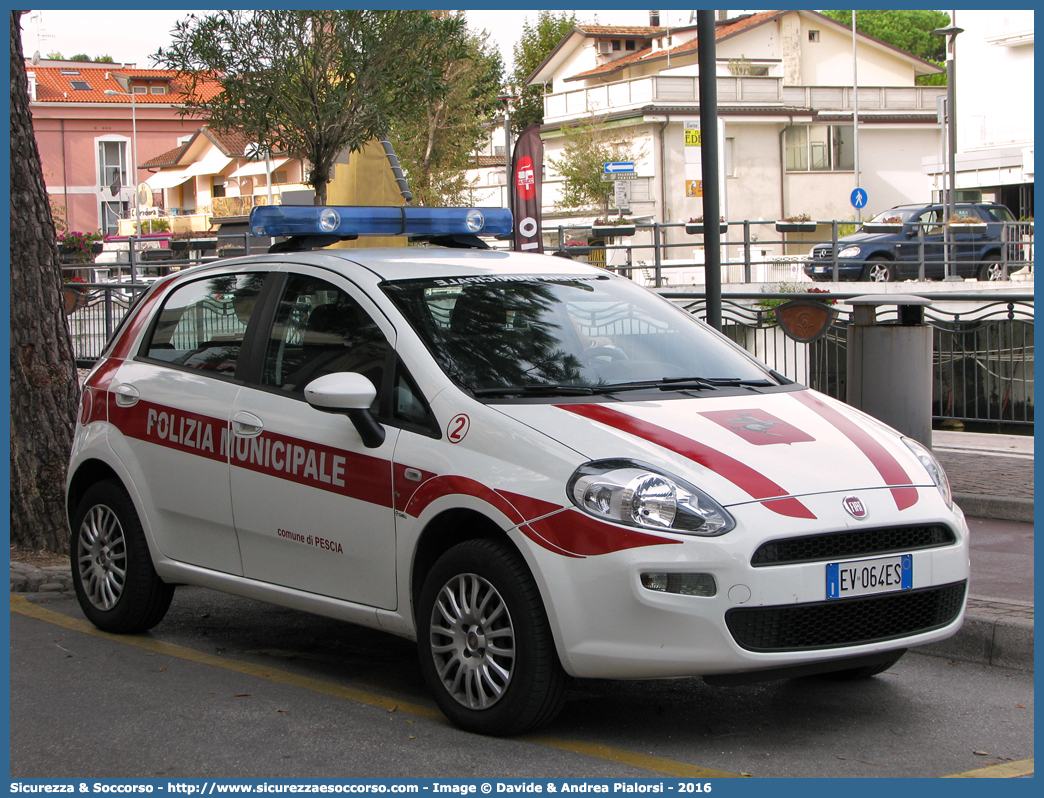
[822, 269]
[866, 577]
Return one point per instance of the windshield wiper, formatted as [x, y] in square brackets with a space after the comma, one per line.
[537, 389]
[683, 384]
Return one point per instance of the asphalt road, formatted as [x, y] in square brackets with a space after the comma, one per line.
[227, 687]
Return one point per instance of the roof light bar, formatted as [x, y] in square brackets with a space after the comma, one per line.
[343, 220]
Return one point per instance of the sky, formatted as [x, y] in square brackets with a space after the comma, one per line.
[106, 32]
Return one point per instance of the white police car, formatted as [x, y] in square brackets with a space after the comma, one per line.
[533, 467]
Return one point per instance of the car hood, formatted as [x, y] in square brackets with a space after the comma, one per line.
[861, 238]
[770, 448]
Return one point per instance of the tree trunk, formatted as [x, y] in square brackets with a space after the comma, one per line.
[44, 389]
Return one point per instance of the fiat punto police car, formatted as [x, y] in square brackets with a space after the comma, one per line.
[535, 468]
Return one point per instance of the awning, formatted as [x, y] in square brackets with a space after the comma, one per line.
[168, 179]
[258, 168]
[212, 164]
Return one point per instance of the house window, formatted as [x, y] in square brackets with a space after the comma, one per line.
[730, 157]
[616, 44]
[629, 44]
[111, 213]
[80, 85]
[111, 160]
[498, 151]
[157, 89]
[139, 89]
[813, 36]
[819, 148]
[279, 177]
[218, 187]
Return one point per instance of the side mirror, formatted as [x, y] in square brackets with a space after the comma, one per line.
[350, 393]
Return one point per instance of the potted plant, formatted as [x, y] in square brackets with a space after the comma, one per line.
[965, 220]
[889, 224]
[695, 226]
[806, 318]
[73, 295]
[577, 247]
[77, 247]
[156, 253]
[796, 224]
[197, 240]
[620, 226]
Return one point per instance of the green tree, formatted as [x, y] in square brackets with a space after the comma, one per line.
[589, 145]
[910, 31]
[313, 83]
[535, 44]
[435, 137]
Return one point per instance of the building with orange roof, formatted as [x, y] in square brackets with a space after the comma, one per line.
[86, 135]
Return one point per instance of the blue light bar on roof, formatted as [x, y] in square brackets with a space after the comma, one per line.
[345, 220]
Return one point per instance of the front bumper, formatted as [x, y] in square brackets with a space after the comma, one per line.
[608, 625]
[823, 271]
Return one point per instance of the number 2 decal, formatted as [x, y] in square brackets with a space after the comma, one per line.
[458, 428]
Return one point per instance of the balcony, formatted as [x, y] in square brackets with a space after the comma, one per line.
[736, 91]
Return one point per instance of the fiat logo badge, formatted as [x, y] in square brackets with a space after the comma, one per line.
[855, 507]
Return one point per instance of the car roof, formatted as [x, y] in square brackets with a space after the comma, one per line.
[402, 263]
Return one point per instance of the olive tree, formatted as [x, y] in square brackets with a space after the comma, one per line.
[313, 83]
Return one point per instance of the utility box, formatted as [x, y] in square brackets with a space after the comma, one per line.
[890, 364]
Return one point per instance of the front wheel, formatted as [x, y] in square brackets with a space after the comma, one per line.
[116, 585]
[991, 270]
[485, 645]
[879, 270]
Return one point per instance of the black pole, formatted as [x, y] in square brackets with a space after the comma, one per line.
[705, 31]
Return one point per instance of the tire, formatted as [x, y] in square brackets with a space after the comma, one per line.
[479, 593]
[116, 585]
[991, 270]
[866, 671]
[879, 270]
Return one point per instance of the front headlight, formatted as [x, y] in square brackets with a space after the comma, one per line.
[934, 469]
[634, 494]
[849, 252]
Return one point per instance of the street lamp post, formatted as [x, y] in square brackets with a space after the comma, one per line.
[134, 154]
[951, 130]
[507, 98]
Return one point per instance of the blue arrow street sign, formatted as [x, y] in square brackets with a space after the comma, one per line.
[620, 166]
[859, 198]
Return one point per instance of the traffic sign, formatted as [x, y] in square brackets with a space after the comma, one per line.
[608, 176]
[619, 166]
[859, 198]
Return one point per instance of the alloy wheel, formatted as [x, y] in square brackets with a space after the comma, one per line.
[472, 641]
[101, 555]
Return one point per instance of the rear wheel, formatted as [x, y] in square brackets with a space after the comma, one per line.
[879, 270]
[991, 270]
[116, 585]
[486, 650]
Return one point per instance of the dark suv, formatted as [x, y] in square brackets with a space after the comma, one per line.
[888, 256]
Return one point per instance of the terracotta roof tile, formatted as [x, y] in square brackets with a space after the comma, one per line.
[56, 84]
[168, 158]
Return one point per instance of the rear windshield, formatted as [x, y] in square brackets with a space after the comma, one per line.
[497, 333]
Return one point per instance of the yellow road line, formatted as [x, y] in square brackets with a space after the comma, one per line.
[1009, 770]
[656, 764]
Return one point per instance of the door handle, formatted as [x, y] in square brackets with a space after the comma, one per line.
[247, 425]
[126, 395]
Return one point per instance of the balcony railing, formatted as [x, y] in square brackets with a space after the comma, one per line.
[734, 90]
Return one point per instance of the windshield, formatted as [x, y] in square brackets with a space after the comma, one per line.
[550, 333]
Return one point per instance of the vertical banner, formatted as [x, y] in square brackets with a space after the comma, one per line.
[527, 165]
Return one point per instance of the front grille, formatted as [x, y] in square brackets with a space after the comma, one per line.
[823, 254]
[857, 543]
[845, 622]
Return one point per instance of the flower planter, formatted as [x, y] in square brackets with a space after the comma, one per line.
[73, 298]
[576, 250]
[231, 252]
[603, 230]
[882, 227]
[696, 228]
[195, 244]
[796, 227]
[74, 255]
[805, 320]
[156, 254]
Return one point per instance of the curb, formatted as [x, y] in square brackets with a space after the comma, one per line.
[996, 632]
[1001, 509]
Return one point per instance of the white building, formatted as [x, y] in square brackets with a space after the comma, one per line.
[994, 87]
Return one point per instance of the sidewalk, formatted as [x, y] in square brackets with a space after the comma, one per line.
[992, 481]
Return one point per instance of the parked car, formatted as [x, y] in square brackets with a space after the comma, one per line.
[533, 467]
[890, 256]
